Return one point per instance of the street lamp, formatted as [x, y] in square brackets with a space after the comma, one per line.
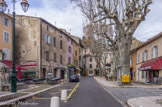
[1, 55]
[3, 5]
[25, 7]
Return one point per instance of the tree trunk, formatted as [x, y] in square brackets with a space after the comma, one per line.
[126, 56]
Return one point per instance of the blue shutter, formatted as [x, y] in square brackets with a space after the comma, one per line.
[9, 24]
[46, 38]
[7, 53]
[49, 39]
[3, 20]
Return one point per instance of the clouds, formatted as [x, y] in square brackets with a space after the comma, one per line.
[153, 23]
[59, 11]
[66, 17]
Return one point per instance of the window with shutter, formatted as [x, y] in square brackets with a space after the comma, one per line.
[156, 52]
[152, 52]
[49, 39]
[7, 53]
[46, 38]
[3, 20]
[6, 37]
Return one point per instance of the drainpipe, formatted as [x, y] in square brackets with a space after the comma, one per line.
[40, 48]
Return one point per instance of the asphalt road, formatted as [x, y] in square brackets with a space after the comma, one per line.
[91, 94]
[44, 99]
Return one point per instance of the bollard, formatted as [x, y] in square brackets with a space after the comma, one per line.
[55, 102]
[64, 95]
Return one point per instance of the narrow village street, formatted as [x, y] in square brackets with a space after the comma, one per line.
[89, 94]
[80, 53]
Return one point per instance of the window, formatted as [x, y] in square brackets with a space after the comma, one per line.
[145, 55]
[69, 49]
[85, 51]
[67, 38]
[143, 74]
[71, 42]
[131, 61]
[69, 61]
[54, 41]
[48, 39]
[60, 34]
[60, 44]
[75, 52]
[154, 52]
[80, 58]
[155, 73]
[90, 65]
[7, 53]
[61, 59]
[6, 22]
[138, 58]
[76, 62]
[47, 28]
[96, 66]
[55, 57]
[90, 59]
[6, 37]
[47, 55]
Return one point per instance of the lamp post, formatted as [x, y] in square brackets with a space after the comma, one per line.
[1, 55]
[3, 7]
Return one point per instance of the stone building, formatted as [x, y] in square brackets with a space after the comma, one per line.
[133, 60]
[89, 64]
[40, 47]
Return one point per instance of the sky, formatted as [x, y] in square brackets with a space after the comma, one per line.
[63, 14]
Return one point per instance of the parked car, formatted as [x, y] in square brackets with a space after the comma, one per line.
[74, 78]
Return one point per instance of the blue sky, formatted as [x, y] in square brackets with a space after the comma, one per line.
[63, 13]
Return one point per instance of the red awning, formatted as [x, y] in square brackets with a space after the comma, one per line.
[155, 64]
[9, 64]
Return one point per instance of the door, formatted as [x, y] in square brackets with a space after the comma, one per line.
[62, 74]
[44, 72]
[54, 74]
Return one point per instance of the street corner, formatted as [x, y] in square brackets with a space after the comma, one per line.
[151, 101]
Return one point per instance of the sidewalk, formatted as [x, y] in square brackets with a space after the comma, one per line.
[8, 98]
[152, 101]
[135, 95]
[103, 81]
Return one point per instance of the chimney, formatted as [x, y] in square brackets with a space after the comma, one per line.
[8, 11]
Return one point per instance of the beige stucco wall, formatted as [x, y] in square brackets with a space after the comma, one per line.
[9, 30]
[160, 73]
[148, 47]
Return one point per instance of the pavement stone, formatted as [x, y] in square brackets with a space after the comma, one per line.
[151, 101]
[130, 94]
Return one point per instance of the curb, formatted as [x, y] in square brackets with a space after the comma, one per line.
[13, 101]
[129, 103]
[111, 94]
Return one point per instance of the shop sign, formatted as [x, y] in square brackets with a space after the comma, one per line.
[125, 78]
[29, 64]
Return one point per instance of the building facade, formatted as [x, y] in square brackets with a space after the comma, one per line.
[41, 47]
[6, 35]
[149, 60]
[89, 64]
[133, 60]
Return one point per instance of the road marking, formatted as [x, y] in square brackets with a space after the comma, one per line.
[41, 98]
[74, 90]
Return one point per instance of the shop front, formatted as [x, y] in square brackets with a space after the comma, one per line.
[152, 71]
